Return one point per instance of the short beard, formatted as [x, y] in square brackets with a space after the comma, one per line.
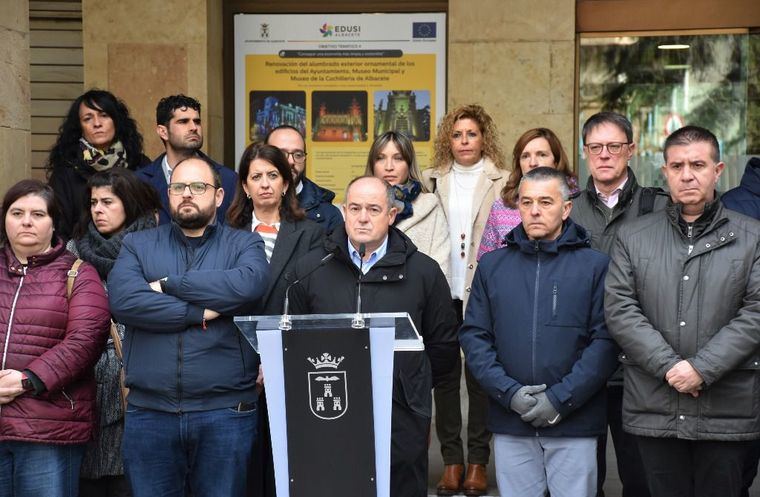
[195, 220]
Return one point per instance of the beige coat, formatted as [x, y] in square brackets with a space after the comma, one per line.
[428, 230]
[487, 190]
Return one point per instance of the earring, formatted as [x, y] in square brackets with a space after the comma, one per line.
[283, 194]
[247, 195]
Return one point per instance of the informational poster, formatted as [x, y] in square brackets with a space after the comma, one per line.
[342, 80]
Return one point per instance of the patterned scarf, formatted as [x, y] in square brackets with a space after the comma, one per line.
[100, 251]
[102, 160]
[404, 196]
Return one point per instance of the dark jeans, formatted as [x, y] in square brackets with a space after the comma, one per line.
[448, 414]
[106, 486]
[693, 468]
[209, 450]
[630, 467]
[39, 469]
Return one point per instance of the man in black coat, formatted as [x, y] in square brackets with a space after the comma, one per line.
[397, 278]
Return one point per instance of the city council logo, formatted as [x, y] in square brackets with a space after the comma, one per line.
[328, 391]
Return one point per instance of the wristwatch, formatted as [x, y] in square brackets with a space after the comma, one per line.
[162, 284]
[26, 383]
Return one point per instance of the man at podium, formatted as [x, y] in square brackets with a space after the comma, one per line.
[375, 258]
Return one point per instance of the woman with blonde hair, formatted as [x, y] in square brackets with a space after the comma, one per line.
[420, 215]
[537, 147]
[468, 173]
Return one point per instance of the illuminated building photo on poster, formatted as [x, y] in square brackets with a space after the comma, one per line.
[270, 109]
[339, 116]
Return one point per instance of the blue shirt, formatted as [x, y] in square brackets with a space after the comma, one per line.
[373, 258]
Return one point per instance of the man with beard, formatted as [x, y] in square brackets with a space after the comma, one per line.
[178, 124]
[315, 200]
[192, 408]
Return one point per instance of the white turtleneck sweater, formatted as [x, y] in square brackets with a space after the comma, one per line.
[461, 198]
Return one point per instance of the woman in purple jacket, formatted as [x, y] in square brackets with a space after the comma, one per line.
[536, 147]
[49, 342]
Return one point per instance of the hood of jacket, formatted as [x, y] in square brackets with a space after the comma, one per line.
[400, 248]
[572, 236]
[751, 178]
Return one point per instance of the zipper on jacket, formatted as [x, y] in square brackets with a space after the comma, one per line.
[179, 374]
[188, 265]
[10, 322]
[535, 316]
[689, 234]
[554, 300]
[71, 401]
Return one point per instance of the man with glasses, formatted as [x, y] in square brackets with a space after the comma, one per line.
[612, 197]
[315, 200]
[191, 417]
[178, 124]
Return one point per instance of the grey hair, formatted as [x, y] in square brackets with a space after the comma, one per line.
[613, 118]
[548, 174]
[390, 194]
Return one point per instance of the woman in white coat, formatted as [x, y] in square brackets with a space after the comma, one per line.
[468, 173]
[420, 215]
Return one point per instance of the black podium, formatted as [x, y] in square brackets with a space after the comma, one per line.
[329, 382]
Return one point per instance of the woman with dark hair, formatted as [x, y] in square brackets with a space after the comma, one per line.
[97, 134]
[119, 204]
[468, 172]
[54, 324]
[537, 147]
[265, 202]
[420, 215]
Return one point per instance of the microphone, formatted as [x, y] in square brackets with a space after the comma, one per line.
[285, 323]
[358, 321]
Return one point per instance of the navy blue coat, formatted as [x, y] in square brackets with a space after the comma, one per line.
[172, 363]
[536, 316]
[153, 174]
[745, 198]
[317, 202]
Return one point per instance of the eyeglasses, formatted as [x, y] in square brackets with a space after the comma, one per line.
[196, 188]
[613, 148]
[298, 156]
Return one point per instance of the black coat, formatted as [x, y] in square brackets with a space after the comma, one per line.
[404, 280]
[294, 240]
[69, 183]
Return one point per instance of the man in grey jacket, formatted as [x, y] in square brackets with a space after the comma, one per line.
[683, 302]
[612, 197]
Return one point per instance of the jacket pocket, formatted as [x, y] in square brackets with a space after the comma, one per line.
[643, 393]
[735, 395]
[564, 303]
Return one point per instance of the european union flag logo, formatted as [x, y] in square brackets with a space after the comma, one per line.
[423, 30]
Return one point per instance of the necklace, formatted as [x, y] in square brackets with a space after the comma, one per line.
[462, 222]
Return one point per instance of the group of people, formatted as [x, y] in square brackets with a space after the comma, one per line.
[548, 288]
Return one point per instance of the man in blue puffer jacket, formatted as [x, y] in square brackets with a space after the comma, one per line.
[191, 417]
[534, 336]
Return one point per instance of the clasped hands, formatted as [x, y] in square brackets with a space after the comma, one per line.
[534, 406]
[684, 378]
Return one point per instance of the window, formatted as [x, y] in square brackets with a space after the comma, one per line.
[662, 82]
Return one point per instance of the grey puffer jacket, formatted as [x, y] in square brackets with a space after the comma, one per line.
[670, 298]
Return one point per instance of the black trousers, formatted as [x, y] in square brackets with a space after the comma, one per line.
[106, 486]
[630, 467]
[693, 468]
[410, 433]
[448, 414]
